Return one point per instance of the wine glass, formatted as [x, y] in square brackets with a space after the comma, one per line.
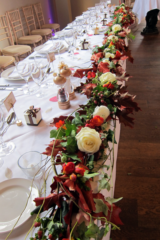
[38, 75]
[5, 147]
[42, 62]
[24, 70]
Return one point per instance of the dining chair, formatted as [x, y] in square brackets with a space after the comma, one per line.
[30, 20]
[5, 61]
[17, 27]
[40, 17]
[6, 35]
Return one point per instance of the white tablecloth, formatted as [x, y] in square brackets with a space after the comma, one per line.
[30, 138]
[141, 7]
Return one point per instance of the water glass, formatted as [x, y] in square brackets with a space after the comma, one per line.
[31, 164]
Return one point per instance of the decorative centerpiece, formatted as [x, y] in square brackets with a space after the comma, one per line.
[66, 72]
[84, 45]
[62, 96]
[33, 116]
[105, 15]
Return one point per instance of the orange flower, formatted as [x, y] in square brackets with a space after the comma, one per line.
[97, 121]
[111, 44]
[109, 85]
[80, 170]
[60, 124]
[73, 177]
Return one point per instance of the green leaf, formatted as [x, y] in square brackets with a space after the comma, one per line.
[131, 36]
[77, 120]
[107, 229]
[92, 231]
[113, 200]
[58, 134]
[106, 166]
[100, 234]
[81, 229]
[64, 144]
[112, 65]
[50, 225]
[91, 175]
[110, 136]
[73, 156]
[101, 206]
[71, 145]
[104, 184]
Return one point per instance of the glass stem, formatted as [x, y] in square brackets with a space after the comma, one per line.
[2, 143]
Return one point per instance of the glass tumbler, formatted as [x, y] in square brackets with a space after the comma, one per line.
[31, 164]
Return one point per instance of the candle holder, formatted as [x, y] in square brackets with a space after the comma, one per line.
[104, 22]
[84, 45]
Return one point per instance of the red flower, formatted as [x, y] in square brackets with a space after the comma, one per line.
[68, 168]
[73, 177]
[91, 75]
[90, 125]
[97, 121]
[60, 124]
[118, 54]
[79, 129]
[80, 170]
[97, 56]
[109, 86]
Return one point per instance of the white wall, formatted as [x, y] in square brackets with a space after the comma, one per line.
[7, 5]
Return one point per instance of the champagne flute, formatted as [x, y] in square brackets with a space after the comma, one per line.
[38, 76]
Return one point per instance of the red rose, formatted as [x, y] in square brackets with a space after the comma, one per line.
[97, 121]
[80, 170]
[73, 177]
[68, 168]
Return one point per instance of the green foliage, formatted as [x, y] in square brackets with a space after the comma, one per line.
[77, 120]
[90, 175]
[71, 145]
[73, 156]
[104, 184]
[58, 134]
[90, 162]
[113, 200]
[130, 35]
[101, 206]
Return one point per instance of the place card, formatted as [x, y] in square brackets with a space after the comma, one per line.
[9, 101]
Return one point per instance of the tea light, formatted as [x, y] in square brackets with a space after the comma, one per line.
[19, 122]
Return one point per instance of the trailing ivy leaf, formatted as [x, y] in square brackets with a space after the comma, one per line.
[90, 162]
[130, 35]
[45, 221]
[71, 145]
[101, 206]
[107, 229]
[73, 156]
[81, 229]
[64, 144]
[106, 166]
[113, 200]
[91, 175]
[104, 184]
[110, 136]
[92, 231]
[100, 234]
[57, 133]
[50, 225]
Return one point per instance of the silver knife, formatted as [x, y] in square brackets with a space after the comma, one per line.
[11, 85]
[10, 89]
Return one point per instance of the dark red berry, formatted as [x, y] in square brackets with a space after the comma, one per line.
[98, 94]
[37, 224]
[50, 237]
[102, 101]
[101, 95]
[95, 102]
[40, 234]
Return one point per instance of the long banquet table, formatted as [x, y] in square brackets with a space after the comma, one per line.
[34, 138]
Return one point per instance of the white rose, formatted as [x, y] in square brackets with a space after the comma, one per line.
[107, 50]
[107, 77]
[106, 60]
[88, 140]
[108, 55]
[116, 27]
[113, 37]
[102, 111]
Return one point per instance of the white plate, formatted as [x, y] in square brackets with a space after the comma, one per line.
[13, 198]
[5, 74]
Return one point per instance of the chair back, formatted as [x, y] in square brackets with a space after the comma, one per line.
[5, 30]
[16, 23]
[39, 13]
[29, 17]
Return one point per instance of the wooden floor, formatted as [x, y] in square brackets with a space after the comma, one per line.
[138, 166]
